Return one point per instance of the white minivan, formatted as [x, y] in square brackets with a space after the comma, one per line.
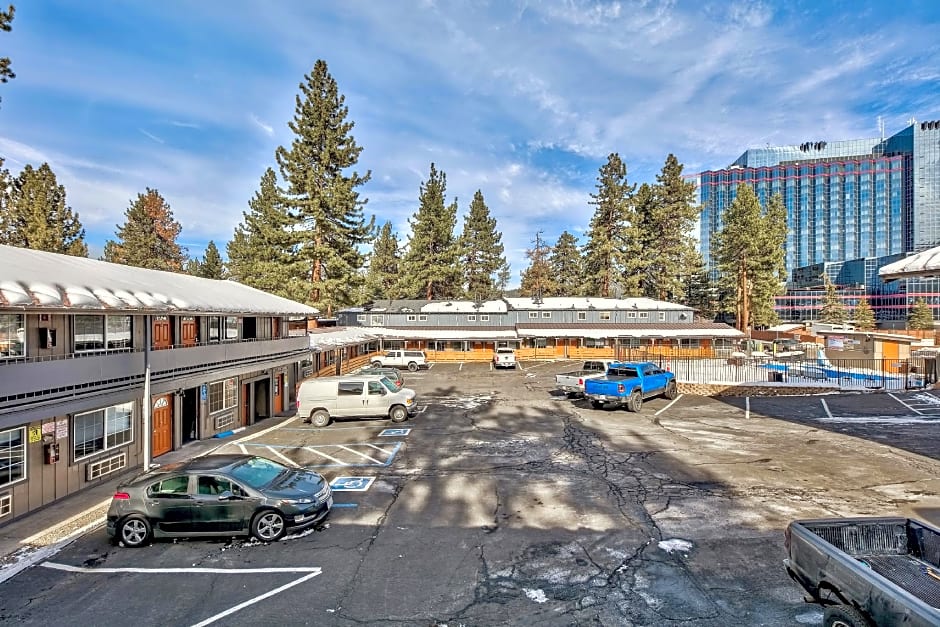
[321, 399]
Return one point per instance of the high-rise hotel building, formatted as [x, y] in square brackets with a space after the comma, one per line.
[852, 207]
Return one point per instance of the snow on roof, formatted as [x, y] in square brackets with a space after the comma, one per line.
[464, 306]
[340, 336]
[926, 263]
[598, 332]
[33, 279]
[581, 303]
[462, 333]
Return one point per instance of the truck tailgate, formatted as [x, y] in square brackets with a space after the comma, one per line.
[602, 387]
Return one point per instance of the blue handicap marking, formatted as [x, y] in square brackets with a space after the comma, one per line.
[395, 432]
[351, 484]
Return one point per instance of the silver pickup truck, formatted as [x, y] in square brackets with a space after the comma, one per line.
[572, 383]
[868, 572]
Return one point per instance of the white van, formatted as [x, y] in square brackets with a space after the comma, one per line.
[410, 359]
[353, 396]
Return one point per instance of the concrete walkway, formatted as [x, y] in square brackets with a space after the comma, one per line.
[39, 535]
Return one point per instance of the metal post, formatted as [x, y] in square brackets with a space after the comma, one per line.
[147, 430]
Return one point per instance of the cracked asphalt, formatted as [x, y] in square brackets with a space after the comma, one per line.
[509, 505]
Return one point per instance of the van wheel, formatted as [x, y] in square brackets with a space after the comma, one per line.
[597, 404]
[398, 414]
[320, 418]
[636, 401]
[376, 364]
[844, 616]
[412, 366]
[671, 391]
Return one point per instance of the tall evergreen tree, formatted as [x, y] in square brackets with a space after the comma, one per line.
[700, 291]
[210, 266]
[429, 267]
[382, 275]
[770, 277]
[502, 279]
[537, 279]
[921, 318]
[611, 254]
[667, 223]
[147, 239]
[864, 316]
[34, 213]
[6, 72]
[833, 309]
[260, 253]
[481, 251]
[321, 195]
[566, 266]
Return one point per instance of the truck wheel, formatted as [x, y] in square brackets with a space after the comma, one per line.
[671, 390]
[844, 616]
[376, 364]
[412, 366]
[398, 414]
[320, 418]
[636, 401]
[597, 404]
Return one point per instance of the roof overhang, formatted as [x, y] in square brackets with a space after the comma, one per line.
[923, 264]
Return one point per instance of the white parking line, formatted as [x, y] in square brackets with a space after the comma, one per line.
[913, 409]
[460, 367]
[671, 403]
[260, 597]
[371, 459]
[313, 450]
[826, 407]
[289, 461]
[316, 570]
[747, 407]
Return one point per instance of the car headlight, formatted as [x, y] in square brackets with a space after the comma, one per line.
[296, 501]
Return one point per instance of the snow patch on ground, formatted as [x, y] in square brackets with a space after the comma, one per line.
[537, 595]
[809, 618]
[675, 544]
[929, 399]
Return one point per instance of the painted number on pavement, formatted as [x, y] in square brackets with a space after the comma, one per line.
[351, 484]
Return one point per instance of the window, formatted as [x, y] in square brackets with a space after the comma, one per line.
[171, 487]
[644, 314]
[582, 315]
[215, 328]
[595, 342]
[540, 342]
[118, 332]
[360, 318]
[422, 317]
[546, 314]
[102, 430]
[222, 395]
[631, 314]
[605, 315]
[662, 316]
[93, 333]
[12, 335]
[533, 314]
[350, 388]
[12, 455]
[231, 328]
[471, 318]
[378, 319]
[484, 317]
[412, 318]
[375, 387]
[208, 485]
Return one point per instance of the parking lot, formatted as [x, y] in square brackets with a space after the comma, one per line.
[503, 502]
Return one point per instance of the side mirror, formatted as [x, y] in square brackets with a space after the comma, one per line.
[226, 496]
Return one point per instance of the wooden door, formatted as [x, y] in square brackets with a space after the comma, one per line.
[276, 328]
[278, 393]
[162, 422]
[162, 337]
[246, 404]
[188, 330]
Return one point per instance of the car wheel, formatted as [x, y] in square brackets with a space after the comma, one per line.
[671, 390]
[636, 401]
[597, 404]
[135, 531]
[844, 616]
[398, 414]
[268, 525]
[320, 418]
[412, 366]
[376, 364]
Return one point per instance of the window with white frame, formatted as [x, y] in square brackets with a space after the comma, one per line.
[582, 315]
[546, 314]
[102, 430]
[471, 318]
[595, 342]
[215, 328]
[422, 317]
[223, 395]
[95, 333]
[231, 328]
[540, 342]
[378, 319]
[631, 314]
[690, 342]
[662, 316]
[533, 314]
[12, 455]
[484, 317]
[644, 314]
[605, 315]
[12, 335]
[360, 318]
[412, 318]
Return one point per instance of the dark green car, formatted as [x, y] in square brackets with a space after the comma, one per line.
[218, 495]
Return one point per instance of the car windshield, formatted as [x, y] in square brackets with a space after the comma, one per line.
[258, 472]
[391, 385]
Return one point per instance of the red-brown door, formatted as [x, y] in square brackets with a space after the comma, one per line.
[246, 408]
[162, 419]
[188, 330]
[276, 328]
[278, 393]
[162, 337]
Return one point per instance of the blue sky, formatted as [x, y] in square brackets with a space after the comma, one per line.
[522, 100]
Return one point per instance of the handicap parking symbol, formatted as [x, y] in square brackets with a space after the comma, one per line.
[395, 432]
[351, 484]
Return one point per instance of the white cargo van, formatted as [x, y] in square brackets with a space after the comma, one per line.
[401, 359]
[353, 396]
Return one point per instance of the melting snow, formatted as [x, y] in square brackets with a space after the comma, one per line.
[536, 595]
[809, 618]
[675, 545]
[923, 397]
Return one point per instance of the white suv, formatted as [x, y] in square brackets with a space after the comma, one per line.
[401, 359]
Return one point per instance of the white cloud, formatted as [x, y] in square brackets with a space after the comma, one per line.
[151, 136]
[266, 128]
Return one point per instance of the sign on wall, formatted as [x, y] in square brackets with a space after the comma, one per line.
[62, 429]
[35, 434]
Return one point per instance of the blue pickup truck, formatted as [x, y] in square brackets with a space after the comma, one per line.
[630, 383]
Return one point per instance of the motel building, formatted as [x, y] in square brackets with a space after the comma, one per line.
[104, 366]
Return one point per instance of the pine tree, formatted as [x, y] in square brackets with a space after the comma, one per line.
[833, 309]
[921, 318]
[382, 275]
[566, 266]
[6, 72]
[737, 252]
[321, 196]
[771, 270]
[429, 267]
[260, 252]
[34, 213]
[700, 291]
[537, 279]
[612, 260]
[481, 251]
[864, 316]
[502, 279]
[667, 221]
[148, 236]
[210, 266]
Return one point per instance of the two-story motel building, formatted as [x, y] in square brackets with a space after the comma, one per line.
[79, 338]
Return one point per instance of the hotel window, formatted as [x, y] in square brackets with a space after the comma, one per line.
[95, 333]
[378, 319]
[361, 318]
[102, 430]
[582, 315]
[471, 318]
[533, 314]
[422, 318]
[12, 455]
[12, 335]
[412, 318]
[605, 315]
[231, 328]
[631, 314]
[662, 316]
[644, 314]
[595, 342]
[546, 314]
[484, 317]
[222, 395]
[215, 328]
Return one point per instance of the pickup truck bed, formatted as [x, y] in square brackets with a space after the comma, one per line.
[886, 568]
